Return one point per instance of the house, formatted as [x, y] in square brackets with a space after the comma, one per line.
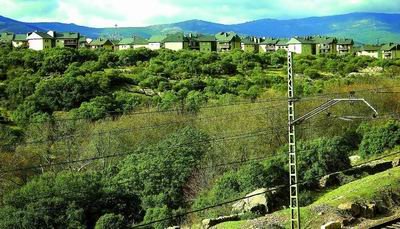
[20, 41]
[101, 43]
[344, 46]
[249, 44]
[132, 43]
[16, 40]
[227, 41]
[67, 40]
[6, 37]
[39, 41]
[369, 50]
[84, 42]
[302, 45]
[282, 44]
[207, 43]
[176, 41]
[156, 42]
[390, 51]
[325, 45]
[268, 45]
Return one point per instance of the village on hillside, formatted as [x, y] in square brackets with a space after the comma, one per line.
[220, 42]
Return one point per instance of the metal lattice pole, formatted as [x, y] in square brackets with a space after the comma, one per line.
[294, 198]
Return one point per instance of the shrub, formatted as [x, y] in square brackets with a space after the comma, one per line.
[379, 138]
[110, 221]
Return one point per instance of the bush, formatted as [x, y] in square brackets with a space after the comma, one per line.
[110, 221]
[312, 73]
[379, 138]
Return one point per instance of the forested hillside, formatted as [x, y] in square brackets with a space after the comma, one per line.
[101, 139]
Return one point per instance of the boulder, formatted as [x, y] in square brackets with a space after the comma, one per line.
[332, 225]
[257, 202]
[330, 180]
[353, 209]
[396, 162]
[208, 223]
[368, 211]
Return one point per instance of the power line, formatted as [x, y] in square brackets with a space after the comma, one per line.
[271, 130]
[216, 106]
[123, 130]
[226, 138]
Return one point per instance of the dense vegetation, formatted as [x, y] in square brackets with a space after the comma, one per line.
[68, 118]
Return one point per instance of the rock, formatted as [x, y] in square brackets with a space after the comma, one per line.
[368, 211]
[354, 159]
[332, 225]
[207, 223]
[396, 162]
[329, 180]
[353, 208]
[256, 202]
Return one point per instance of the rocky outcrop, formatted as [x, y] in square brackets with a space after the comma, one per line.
[208, 223]
[332, 225]
[359, 210]
[257, 202]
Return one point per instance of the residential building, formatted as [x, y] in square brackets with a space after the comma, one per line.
[268, 45]
[101, 43]
[84, 42]
[390, 51]
[344, 46]
[369, 50]
[20, 41]
[6, 37]
[156, 42]
[282, 44]
[325, 45]
[176, 41]
[207, 43]
[249, 44]
[302, 45]
[132, 43]
[39, 41]
[16, 40]
[67, 40]
[227, 41]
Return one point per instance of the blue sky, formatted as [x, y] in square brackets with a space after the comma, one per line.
[106, 13]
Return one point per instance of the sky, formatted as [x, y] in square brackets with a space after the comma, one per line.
[107, 13]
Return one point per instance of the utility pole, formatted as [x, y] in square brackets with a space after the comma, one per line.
[294, 191]
[292, 122]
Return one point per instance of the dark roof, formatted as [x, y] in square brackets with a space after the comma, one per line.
[390, 47]
[270, 41]
[370, 48]
[157, 38]
[135, 40]
[226, 36]
[20, 37]
[43, 35]
[301, 40]
[324, 40]
[345, 41]
[176, 37]
[206, 38]
[247, 41]
[282, 42]
[68, 35]
[100, 42]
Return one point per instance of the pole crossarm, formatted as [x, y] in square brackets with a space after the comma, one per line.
[327, 105]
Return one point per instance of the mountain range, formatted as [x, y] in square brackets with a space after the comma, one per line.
[362, 27]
